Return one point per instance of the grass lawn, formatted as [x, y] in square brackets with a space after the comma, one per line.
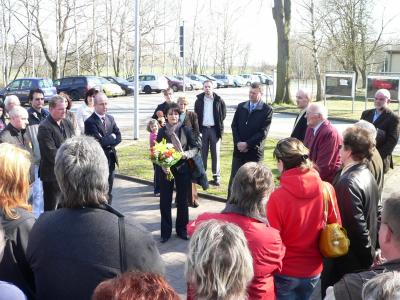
[338, 108]
[134, 161]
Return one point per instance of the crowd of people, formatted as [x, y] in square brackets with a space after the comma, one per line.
[263, 245]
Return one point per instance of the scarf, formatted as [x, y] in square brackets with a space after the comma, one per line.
[171, 131]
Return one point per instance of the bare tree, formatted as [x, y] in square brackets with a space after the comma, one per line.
[282, 16]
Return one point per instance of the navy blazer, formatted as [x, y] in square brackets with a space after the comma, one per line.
[50, 138]
[94, 127]
[299, 131]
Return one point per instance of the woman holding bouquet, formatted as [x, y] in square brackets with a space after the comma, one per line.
[182, 139]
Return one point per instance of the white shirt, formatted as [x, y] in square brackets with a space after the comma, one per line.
[208, 111]
[315, 129]
[82, 114]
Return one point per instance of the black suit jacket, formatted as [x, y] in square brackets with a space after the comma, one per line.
[387, 126]
[299, 131]
[94, 127]
[219, 112]
[50, 137]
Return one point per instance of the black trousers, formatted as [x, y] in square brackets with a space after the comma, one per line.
[183, 182]
[111, 168]
[51, 195]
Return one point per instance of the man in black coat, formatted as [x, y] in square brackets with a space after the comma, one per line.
[303, 99]
[351, 285]
[250, 127]
[211, 112]
[387, 125]
[52, 132]
[104, 129]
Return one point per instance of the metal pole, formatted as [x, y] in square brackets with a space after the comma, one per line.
[183, 56]
[137, 57]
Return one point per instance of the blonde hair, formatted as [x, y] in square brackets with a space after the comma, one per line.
[219, 264]
[150, 123]
[292, 153]
[184, 99]
[14, 179]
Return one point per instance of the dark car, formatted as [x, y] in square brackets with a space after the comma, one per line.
[77, 86]
[22, 86]
[123, 83]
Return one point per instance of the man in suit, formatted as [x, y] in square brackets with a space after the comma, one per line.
[103, 128]
[211, 111]
[323, 141]
[250, 127]
[303, 100]
[52, 132]
[387, 125]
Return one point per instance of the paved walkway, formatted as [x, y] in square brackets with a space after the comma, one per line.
[137, 200]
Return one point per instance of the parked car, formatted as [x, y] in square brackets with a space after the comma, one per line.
[22, 86]
[226, 78]
[197, 78]
[250, 78]
[111, 89]
[196, 85]
[216, 82]
[264, 78]
[239, 81]
[123, 83]
[77, 86]
[176, 84]
[149, 83]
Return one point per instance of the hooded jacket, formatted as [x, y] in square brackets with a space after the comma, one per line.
[296, 210]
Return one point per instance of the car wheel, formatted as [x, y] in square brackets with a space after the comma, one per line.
[174, 88]
[147, 89]
[191, 88]
[74, 95]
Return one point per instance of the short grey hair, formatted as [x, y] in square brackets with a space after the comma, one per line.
[251, 186]
[81, 170]
[55, 100]
[383, 286]
[391, 215]
[383, 92]
[98, 96]
[12, 99]
[368, 127]
[18, 111]
[318, 108]
[306, 93]
[219, 264]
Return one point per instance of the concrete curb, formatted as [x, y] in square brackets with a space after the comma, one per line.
[150, 183]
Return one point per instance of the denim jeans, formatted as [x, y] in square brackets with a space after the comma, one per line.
[294, 288]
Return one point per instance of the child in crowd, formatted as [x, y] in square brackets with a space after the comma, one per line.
[152, 127]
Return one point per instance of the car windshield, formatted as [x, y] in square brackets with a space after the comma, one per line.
[121, 80]
[45, 83]
[93, 81]
[104, 81]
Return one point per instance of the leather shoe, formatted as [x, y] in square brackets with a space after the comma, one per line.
[195, 204]
[163, 240]
[214, 182]
[183, 236]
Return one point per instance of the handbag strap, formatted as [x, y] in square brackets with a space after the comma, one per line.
[327, 195]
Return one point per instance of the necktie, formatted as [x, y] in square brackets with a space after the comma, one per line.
[103, 120]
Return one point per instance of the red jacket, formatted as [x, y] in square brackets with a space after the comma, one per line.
[296, 210]
[324, 149]
[265, 245]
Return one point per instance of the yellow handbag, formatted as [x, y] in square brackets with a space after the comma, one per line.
[333, 241]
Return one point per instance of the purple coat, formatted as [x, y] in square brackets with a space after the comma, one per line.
[324, 149]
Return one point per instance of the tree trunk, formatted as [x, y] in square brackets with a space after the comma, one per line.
[281, 13]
